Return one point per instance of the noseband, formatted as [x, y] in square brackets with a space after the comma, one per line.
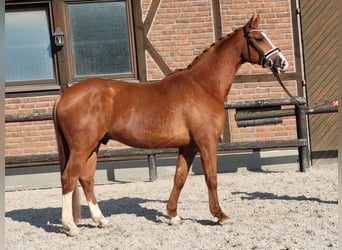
[265, 61]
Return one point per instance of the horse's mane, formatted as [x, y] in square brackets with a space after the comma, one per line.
[205, 51]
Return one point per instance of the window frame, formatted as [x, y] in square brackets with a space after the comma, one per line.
[39, 84]
[131, 40]
[62, 56]
[118, 76]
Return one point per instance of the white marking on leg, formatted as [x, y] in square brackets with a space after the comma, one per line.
[175, 220]
[97, 215]
[67, 218]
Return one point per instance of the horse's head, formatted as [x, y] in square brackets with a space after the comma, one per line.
[259, 48]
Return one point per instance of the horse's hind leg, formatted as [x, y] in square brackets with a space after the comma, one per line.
[69, 179]
[185, 159]
[87, 182]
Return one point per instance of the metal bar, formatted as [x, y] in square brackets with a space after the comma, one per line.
[298, 47]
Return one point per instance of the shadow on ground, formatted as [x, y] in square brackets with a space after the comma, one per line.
[270, 196]
[49, 218]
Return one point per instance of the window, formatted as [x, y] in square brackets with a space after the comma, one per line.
[99, 45]
[28, 52]
[98, 35]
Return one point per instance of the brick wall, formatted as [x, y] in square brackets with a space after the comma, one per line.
[183, 29]
[180, 31]
[38, 137]
[29, 137]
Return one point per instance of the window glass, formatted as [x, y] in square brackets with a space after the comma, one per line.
[99, 38]
[28, 53]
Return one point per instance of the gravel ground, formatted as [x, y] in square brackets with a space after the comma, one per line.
[268, 210]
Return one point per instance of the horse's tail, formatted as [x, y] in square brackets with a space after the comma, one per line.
[63, 154]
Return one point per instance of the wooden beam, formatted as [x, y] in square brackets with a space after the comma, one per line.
[322, 109]
[61, 54]
[262, 103]
[140, 38]
[150, 15]
[110, 155]
[217, 18]
[28, 117]
[243, 116]
[148, 45]
[157, 58]
[264, 77]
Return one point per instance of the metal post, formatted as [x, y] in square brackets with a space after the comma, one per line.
[152, 167]
[302, 133]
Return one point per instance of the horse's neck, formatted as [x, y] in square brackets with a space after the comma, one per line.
[216, 70]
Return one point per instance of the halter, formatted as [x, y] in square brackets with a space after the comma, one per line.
[265, 61]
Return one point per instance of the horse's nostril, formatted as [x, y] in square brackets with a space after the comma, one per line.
[284, 64]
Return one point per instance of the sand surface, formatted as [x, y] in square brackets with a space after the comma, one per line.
[268, 210]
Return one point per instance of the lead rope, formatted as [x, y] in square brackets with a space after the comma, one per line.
[292, 98]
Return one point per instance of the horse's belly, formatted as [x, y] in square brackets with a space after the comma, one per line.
[152, 138]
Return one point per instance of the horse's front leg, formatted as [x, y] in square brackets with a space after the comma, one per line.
[185, 159]
[209, 162]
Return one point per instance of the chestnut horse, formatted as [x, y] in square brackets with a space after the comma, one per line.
[183, 110]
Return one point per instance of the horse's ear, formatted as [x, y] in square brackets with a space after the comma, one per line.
[253, 23]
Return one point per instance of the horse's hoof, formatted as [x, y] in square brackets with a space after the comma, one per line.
[225, 221]
[71, 229]
[73, 232]
[103, 223]
[175, 221]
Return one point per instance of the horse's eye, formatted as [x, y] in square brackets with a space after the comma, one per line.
[259, 40]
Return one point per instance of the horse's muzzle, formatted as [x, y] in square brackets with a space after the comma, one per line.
[275, 60]
[280, 63]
